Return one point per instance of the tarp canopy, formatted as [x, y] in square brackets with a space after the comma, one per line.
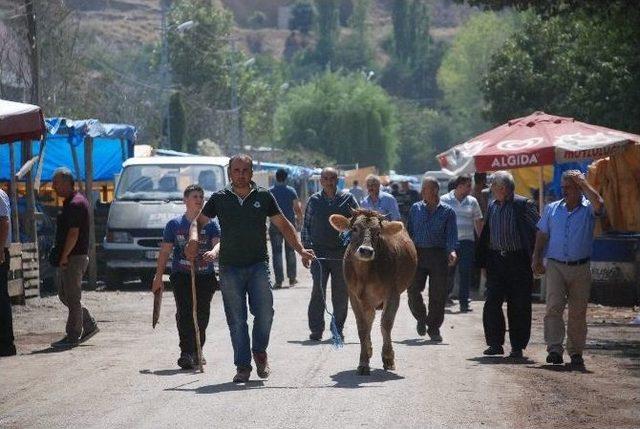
[20, 121]
[112, 145]
[294, 171]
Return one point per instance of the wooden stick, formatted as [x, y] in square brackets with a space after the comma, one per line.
[195, 316]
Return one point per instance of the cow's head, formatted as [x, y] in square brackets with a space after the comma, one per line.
[368, 230]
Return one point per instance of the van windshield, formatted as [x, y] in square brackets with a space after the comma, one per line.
[167, 182]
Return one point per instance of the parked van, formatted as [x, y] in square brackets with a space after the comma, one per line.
[147, 196]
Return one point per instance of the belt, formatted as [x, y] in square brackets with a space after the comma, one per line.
[504, 253]
[578, 262]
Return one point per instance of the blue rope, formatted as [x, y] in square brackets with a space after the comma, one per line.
[336, 337]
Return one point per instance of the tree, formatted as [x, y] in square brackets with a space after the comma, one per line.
[573, 65]
[348, 118]
[464, 65]
[303, 16]
[355, 51]
[177, 123]
[422, 134]
[328, 30]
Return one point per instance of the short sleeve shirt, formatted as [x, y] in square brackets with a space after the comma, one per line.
[243, 235]
[75, 214]
[5, 211]
[176, 232]
[285, 196]
[467, 212]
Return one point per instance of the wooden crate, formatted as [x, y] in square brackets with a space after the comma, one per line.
[15, 283]
[30, 270]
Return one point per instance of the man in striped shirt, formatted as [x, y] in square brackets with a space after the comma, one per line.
[505, 249]
[432, 227]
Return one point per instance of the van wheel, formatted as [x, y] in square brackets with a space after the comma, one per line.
[113, 280]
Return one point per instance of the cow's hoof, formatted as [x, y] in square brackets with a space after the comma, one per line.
[388, 364]
[363, 370]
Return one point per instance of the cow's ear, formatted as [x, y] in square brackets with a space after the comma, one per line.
[339, 222]
[391, 228]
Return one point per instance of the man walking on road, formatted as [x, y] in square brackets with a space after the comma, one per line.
[469, 223]
[567, 228]
[7, 347]
[289, 204]
[242, 209]
[380, 201]
[505, 249]
[319, 235]
[432, 227]
[357, 191]
[174, 237]
[72, 241]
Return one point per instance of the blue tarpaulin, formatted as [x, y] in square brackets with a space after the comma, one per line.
[112, 145]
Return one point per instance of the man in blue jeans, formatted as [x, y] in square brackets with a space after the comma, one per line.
[242, 209]
[289, 204]
[469, 222]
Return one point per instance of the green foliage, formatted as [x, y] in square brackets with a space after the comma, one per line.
[583, 66]
[422, 134]
[303, 16]
[177, 122]
[355, 51]
[328, 31]
[258, 20]
[464, 66]
[346, 117]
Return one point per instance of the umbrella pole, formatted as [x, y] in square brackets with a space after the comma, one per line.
[195, 317]
[541, 190]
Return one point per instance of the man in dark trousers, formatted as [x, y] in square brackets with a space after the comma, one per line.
[72, 240]
[289, 204]
[174, 238]
[505, 250]
[242, 209]
[319, 235]
[7, 347]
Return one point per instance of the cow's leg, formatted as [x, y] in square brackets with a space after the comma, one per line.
[386, 325]
[364, 320]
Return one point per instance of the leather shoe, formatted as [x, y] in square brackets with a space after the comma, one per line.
[242, 375]
[555, 358]
[262, 364]
[421, 328]
[516, 354]
[494, 350]
[576, 360]
[315, 336]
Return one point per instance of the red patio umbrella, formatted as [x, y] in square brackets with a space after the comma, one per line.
[20, 121]
[535, 140]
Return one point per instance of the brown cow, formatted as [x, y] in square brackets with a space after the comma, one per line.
[379, 265]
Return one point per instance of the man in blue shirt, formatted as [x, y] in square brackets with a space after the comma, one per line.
[380, 201]
[289, 204]
[566, 229]
[175, 238]
[432, 227]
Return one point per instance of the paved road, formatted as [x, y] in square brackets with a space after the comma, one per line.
[126, 376]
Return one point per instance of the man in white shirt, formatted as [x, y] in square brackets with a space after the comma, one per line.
[7, 347]
[469, 222]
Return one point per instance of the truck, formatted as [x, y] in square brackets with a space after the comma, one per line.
[148, 194]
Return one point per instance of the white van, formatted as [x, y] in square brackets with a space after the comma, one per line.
[149, 194]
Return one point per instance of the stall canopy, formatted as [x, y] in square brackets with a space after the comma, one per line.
[20, 121]
[535, 140]
[112, 144]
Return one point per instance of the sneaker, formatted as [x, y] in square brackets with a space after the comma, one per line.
[493, 350]
[242, 375]
[576, 360]
[86, 335]
[516, 354]
[555, 358]
[435, 336]
[186, 361]
[421, 328]
[66, 342]
[293, 282]
[262, 364]
[315, 336]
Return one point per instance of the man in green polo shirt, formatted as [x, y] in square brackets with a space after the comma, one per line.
[242, 209]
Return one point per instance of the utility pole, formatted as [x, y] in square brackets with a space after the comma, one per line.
[235, 124]
[166, 76]
[32, 36]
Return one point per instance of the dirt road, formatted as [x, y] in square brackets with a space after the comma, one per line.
[126, 376]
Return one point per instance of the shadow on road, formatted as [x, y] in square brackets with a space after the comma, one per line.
[420, 342]
[499, 360]
[567, 367]
[225, 387]
[351, 380]
[58, 349]
[164, 372]
[315, 343]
